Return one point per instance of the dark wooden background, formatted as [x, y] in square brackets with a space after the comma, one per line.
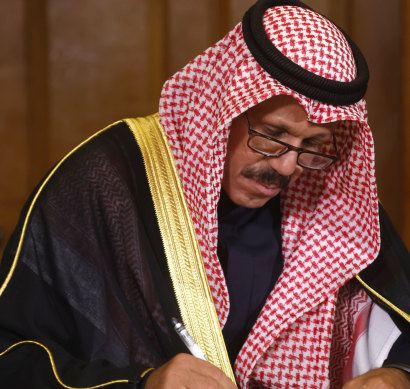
[71, 67]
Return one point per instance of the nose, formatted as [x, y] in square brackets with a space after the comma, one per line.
[286, 164]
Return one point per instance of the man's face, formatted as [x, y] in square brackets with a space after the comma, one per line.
[251, 179]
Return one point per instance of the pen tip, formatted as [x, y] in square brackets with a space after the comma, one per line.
[174, 321]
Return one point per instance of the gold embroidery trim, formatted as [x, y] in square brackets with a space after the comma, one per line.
[23, 230]
[387, 302]
[180, 242]
[53, 366]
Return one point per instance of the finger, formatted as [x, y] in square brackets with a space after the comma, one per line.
[186, 371]
[205, 372]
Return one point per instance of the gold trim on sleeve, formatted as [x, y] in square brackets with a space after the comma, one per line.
[387, 302]
[145, 372]
[53, 367]
[180, 242]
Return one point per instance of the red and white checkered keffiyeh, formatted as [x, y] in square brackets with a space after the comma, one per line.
[330, 223]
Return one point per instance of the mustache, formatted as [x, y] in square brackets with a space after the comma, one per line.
[266, 176]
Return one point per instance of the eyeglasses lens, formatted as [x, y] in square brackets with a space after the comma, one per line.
[313, 161]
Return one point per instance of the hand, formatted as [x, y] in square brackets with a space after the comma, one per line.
[383, 378]
[188, 372]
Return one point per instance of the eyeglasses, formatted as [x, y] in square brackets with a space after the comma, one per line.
[271, 147]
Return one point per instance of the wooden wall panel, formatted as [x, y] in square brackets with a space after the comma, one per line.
[98, 67]
[189, 32]
[68, 71]
[376, 28]
[220, 18]
[36, 48]
[13, 115]
[238, 8]
[322, 6]
[405, 109]
[158, 50]
[340, 13]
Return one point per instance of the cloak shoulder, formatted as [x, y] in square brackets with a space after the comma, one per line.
[85, 294]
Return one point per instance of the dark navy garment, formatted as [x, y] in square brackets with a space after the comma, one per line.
[250, 251]
[399, 355]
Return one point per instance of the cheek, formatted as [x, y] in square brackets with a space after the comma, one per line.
[235, 162]
[241, 159]
[232, 168]
[236, 156]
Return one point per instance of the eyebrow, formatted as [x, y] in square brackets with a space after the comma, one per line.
[284, 128]
[321, 135]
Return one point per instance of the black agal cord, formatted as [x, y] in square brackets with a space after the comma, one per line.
[294, 76]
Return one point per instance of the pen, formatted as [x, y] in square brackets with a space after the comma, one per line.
[193, 348]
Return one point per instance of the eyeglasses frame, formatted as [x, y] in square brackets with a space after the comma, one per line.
[289, 147]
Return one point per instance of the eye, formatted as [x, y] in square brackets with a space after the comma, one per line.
[273, 133]
[315, 143]
[319, 144]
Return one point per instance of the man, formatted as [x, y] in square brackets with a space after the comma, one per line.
[179, 215]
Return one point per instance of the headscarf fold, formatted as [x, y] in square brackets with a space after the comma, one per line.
[330, 227]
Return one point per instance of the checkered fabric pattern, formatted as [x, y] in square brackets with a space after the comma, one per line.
[330, 223]
[327, 55]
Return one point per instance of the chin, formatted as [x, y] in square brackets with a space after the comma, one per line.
[249, 201]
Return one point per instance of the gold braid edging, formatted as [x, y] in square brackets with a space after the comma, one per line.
[384, 300]
[180, 242]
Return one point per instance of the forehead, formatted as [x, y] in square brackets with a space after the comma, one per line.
[285, 112]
